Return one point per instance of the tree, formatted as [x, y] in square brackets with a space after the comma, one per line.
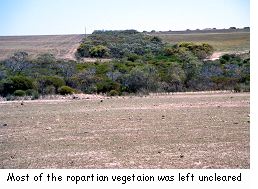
[176, 78]
[18, 62]
[145, 78]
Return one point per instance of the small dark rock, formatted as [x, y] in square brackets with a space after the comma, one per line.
[75, 97]
[22, 103]
[101, 100]
[159, 152]
[235, 123]
[5, 125]
[181, 156]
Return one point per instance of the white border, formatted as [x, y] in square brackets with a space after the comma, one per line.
[249, 176]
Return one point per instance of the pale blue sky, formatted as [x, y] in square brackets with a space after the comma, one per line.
[43, 17]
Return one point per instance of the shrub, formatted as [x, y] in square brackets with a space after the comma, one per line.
[10, 97]
[156, 39]
[11, 84]
[19, 93]
[64, 90]
[46, 58]
[225, 58]
[113, 93]
[50, 89]
[50, 84]
[168, 51]
[21, 82]
[237, 88]
[99, 51]
[199, 50]
[30, 92]
[55, 81]
[107, 85]
[132, 57]
[33, 93]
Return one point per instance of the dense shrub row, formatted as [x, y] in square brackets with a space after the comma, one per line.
[118, 44]
[174, 68]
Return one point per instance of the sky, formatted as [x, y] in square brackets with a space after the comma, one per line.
[48, 17]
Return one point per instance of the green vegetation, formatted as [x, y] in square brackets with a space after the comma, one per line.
[19, 93]
[118, 44]
[64, 90]
[141, 64]
[99, 51]
[113, 93]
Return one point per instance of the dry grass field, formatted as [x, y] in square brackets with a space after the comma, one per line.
[222, 42]
[62, 46]
[199, 130]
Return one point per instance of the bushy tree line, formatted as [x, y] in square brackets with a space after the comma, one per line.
[179, 70]
[118, 44]
[141, 63]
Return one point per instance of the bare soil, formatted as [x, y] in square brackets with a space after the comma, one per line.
[185, 130]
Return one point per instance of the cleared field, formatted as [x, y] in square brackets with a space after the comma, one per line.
[62, 46]
[200, 130]
[225, 42]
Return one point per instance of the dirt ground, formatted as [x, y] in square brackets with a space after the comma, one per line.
[199, 130]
